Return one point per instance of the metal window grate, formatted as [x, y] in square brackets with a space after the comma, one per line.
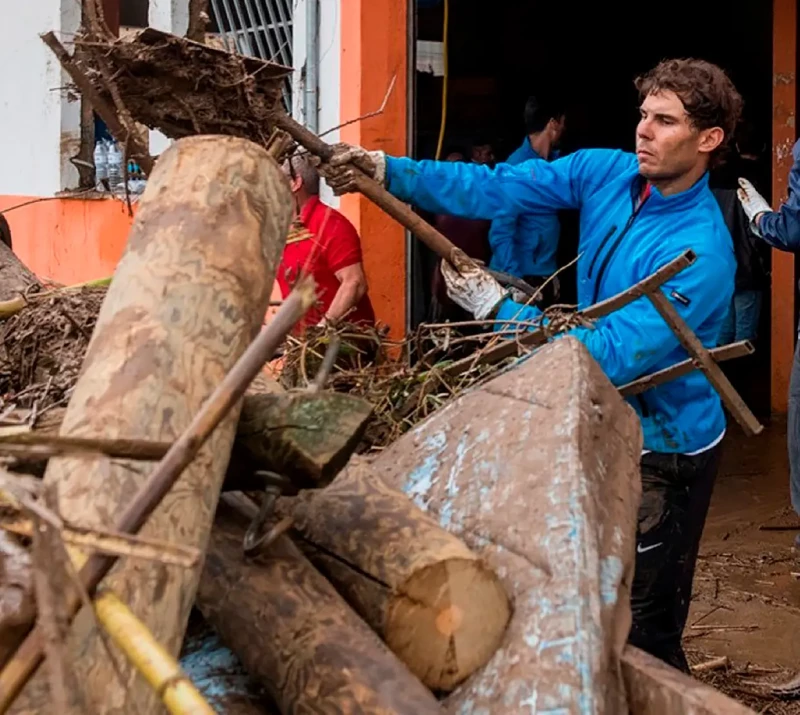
[261, 28]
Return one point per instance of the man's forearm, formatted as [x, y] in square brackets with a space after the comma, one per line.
[346, 297]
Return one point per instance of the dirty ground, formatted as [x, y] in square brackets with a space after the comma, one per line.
[746, 601]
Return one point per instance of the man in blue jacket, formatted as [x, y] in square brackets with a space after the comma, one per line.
[637, 213]
[525, 245]
[781, 229]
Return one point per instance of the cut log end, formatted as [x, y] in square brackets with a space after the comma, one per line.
[448, 621]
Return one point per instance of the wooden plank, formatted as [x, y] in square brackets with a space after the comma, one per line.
[529, 470]
[188, 298]
[735, 404]
[721, 354]
[654, 688]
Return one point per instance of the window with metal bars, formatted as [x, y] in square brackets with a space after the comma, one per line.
[261, 28]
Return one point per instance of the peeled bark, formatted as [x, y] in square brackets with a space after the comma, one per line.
[188, 297]
[435, 603]
[537, 470]
[17, 605]
[292, 630]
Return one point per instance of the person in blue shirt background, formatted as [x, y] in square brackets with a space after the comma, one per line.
[526, 245]
[781, 230]
[638, 212]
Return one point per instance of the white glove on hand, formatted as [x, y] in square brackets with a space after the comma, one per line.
[470, 286]
[340, 174]
[752, 202]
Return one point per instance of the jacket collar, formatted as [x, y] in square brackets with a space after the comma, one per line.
[657, 200]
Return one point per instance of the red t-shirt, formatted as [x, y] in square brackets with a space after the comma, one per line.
[333, 244]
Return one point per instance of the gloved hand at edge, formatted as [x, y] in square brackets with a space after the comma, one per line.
[340, 171]
[472, 287]
[753, 203]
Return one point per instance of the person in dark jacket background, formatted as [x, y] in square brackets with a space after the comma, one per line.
[781, 230]
[526, 245]
[752, 259]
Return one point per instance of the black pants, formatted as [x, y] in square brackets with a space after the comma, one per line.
[676, 491]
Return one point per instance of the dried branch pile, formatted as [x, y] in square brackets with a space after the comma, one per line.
[43, 345]
[184, 88]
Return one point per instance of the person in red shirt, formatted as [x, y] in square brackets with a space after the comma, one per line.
[324, 244]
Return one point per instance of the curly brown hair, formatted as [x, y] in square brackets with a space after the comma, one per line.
[707, 93]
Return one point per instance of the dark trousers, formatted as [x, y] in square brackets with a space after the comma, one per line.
[793, 430]
[676, 492]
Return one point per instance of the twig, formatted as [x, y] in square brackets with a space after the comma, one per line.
[107, 114]
[29, 655]
[753, 627]
[327, 364]
[56, 445]
[713, 664]
[368, 115]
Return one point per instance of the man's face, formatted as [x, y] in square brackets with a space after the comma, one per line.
[482, 154]
[667, 144]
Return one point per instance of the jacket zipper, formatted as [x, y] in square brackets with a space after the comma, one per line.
[600, 250]
[613, 249]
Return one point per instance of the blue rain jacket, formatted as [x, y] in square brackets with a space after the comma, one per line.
[525, 244]
[619, 246]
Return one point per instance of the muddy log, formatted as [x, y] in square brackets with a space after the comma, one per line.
[530, 469]
[188, 297]
[305, 436]
[15, 277]
[655, 688]
[439, 608]
[291, 629]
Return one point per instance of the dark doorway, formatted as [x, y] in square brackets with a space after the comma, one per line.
[501, 53]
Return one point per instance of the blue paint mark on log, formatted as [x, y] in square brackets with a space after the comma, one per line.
[610, 575]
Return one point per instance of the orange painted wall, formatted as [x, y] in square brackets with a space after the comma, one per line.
[373, 51]
[68, 240]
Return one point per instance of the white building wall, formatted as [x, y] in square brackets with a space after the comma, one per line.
[167, 16]
[329, 54]
[37, 125]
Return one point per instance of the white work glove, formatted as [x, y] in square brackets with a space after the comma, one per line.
[752, 202]
[470, 286]
[340, 172]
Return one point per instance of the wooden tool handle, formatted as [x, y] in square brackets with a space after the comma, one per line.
[399, 211]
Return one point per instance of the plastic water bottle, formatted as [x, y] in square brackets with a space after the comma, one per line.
[100, 163]
[114, 165]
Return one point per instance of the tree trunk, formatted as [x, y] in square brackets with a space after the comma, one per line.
[292, 630]
[538, 471]
[188, 297]
[15, 278]
[434, 602]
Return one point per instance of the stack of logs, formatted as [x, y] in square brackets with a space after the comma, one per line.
[421, 612]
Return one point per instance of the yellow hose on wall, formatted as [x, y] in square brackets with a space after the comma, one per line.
[444, 79]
